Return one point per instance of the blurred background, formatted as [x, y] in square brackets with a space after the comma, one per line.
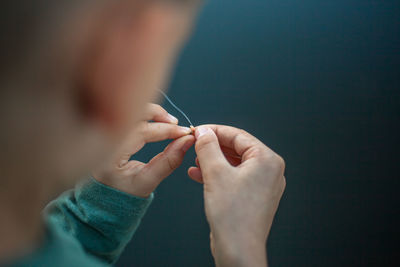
[317, 81]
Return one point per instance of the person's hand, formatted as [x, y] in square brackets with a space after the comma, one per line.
[243, 184]
[138, 178]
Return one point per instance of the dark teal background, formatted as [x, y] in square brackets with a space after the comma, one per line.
[319, 82]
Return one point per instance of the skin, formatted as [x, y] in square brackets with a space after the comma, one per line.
[101, 51]
[243, 184]
[138, 178]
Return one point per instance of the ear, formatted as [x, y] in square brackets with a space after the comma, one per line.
[126, 60]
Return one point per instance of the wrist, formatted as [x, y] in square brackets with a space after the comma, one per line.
[239, 251]
[124, 186]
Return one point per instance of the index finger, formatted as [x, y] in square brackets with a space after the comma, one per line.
[157, 113]
[240, 141]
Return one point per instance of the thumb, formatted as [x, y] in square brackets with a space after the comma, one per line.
[208, 150]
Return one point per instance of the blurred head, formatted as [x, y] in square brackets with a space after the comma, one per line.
[75, 76]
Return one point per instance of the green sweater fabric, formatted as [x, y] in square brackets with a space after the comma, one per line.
[88, 226]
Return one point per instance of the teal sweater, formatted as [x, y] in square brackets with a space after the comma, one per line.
[89, 227]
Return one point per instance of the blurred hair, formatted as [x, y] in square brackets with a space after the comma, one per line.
[26, 29]
[19, 28]
[28, 26]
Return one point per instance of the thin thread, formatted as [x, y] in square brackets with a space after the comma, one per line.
[176, 107]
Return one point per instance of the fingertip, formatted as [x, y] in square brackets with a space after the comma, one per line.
[201, 131]
[195, 174]
[208, 149]
[172, 119]
[157, 113]
[185, 130]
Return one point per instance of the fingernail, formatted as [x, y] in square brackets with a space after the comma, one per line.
[185, 130]
[187, 145]
[200, 131]
[172, 119]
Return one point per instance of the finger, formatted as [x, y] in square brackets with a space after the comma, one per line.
[132, 167]
[195, 174]
[167, 161]
[243, 143]
[148, 132]
[156, 131]
[229, 151]
[233, 160]
[157, 113]
[208, 151]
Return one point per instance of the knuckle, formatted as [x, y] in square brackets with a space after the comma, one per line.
[280, 162]
[173, 162]
[243, 132]
[160, 109]
[283, 183]
[259, 153]
[274, 162]
[277, 163]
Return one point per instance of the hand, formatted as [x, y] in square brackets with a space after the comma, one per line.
[138, 178]
[243, 183]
